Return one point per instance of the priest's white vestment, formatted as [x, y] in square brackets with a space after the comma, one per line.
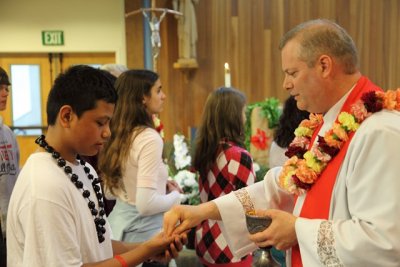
[364, 218]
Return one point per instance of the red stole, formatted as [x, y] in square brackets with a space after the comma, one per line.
[317, 201]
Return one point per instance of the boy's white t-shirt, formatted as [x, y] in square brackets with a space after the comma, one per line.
[49, 222]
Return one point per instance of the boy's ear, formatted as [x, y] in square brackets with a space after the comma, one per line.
[65, 116]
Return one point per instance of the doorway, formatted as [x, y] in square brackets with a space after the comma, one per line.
[46, 66]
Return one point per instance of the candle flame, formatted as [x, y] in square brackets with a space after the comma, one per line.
[226, 65]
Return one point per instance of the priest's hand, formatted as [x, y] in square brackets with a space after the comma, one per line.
[181, 218]
[281, 233]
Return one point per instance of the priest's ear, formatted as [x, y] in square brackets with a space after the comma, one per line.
[325, 63]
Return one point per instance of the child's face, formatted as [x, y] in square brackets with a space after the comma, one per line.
[154, 103]
[92, 129]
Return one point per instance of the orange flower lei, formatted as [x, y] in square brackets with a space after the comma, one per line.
[304, 166]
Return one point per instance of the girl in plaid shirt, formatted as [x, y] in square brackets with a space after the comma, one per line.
[224, 165]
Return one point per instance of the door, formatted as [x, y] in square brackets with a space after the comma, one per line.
[46, 66]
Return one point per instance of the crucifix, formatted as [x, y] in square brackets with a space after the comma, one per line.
[154, 22]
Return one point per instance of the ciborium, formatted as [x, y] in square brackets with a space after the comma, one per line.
[255, 223]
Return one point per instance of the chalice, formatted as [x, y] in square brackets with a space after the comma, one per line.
[255, 224]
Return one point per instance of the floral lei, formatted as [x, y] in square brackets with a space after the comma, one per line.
[159, 126]
[304, 166]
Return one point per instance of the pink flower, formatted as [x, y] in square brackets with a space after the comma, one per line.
[359, 111]
[321, 156]
[301, 141]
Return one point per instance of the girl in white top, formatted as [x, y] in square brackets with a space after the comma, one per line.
[131, 162]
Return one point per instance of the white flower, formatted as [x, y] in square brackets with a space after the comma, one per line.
[181, 152]
[190, 179]
[185, 178]
[187, 181]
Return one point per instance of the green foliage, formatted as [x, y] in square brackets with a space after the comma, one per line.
[261, 173]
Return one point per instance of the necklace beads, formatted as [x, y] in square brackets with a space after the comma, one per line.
[98, 215]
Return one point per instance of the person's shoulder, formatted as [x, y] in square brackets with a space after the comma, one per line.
[383, 118]
[148, 134]
[379, 124]
[7, 130]
[41, 169]
[39, 175]
[35, 160]
[236, 151]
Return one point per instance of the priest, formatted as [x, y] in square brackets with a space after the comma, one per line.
[335, 202]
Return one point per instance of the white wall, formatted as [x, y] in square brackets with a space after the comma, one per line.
[88, 25]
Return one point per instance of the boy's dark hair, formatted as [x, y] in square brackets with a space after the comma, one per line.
[80, 87]
[288, 122]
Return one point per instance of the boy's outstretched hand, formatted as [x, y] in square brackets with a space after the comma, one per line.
[164, 247]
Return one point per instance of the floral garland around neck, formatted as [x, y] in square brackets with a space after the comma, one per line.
[304, 167]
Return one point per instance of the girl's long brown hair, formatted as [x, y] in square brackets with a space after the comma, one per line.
[222, 120]
[130, 116]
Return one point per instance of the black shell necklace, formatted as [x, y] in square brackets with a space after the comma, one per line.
[98, 215]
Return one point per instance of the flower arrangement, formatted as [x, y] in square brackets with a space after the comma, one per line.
[269, 110]
[260, 140]
[304, 166]
[180, 171]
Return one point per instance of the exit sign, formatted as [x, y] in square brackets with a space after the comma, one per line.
[53, 37]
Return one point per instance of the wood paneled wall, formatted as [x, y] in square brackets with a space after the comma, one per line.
[246, 33]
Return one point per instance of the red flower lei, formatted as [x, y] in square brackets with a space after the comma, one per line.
[304, 166]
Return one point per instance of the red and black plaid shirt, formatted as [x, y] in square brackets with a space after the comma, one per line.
[232, 170]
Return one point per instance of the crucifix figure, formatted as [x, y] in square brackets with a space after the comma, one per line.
[154, 23]
[155, 29]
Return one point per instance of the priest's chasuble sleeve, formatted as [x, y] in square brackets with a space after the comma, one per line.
[363, 228]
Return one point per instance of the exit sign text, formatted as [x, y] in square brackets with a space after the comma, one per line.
[53, 37]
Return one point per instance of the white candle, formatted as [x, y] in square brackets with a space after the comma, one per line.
[227, 75]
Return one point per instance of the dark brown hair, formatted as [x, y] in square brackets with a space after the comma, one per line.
[130, 116]
[222, 120]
